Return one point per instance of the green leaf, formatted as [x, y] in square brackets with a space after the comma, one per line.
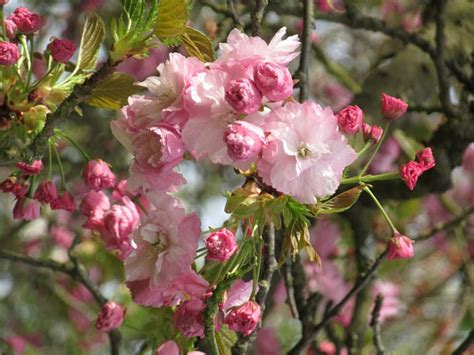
[225, 339]
[172, 18]
[341, 202]
[198, 45]
[113, 92]
[92, 37]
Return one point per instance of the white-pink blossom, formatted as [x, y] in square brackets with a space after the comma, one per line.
[305, 154]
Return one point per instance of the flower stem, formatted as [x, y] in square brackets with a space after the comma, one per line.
[74, 143]
[2, 18]
[379, 205]
[364, 149]
[50, 161]
[28, 59]
[369, 178]
[377, 147]
[61, 169]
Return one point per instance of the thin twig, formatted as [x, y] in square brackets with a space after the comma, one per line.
[290, 288]
[233, 14]
[303, 70]
[268, 268]
[375, 324]
[257, 16]
[439, 61]
[445, 226]
[359, 285]
[44, 263]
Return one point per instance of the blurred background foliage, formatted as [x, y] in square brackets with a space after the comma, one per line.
[45, 312]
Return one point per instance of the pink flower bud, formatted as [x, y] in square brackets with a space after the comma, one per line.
[220, 245]
[350, 119]
[110, 317]
[93, 206]
[46, 192]
[410, 172]
[188, 318]
[9, 53]
[244, 319]
[62, 49]
[10, 28]
[243, 96]
[97, 175]
[399, 247]
[10, 184]
[425, 158]
[63, 202]
[273, 80]
[30, 169]
[26, 208]
[244, 140]
[25, 20]
[392, 108]
[372, 133]
[168, 348]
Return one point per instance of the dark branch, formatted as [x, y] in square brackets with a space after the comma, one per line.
[302, 73]
[465, 344]
[233, 14]
[359, 285]
[375, 324]
[257, 16]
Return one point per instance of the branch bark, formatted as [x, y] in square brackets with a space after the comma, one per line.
[375, 324]
[302, 73]
[257, 16]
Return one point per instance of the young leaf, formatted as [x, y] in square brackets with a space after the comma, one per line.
[92, 37]
[113, 92]
[341, 202]
[172, 18]
[198, 45]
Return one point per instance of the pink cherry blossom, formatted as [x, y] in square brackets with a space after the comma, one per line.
[26, 208]
[244, 142]
[9, 53]
[25, 20]
[273, 80]
[62, 49]
[46, 192]
[94, 205]
[238, 294]
[62, 236]
[117, 227]
[399, 247]
[392, 108]
[350, 119]
[30, 169]
[244, 319]
[166, 243]
[425, 158]
[372, 133]
[305, 153]
[220, 245]
[98, 176]
[65, 201]
[410, 172]
[243, 96]
[248, 50]
[188, 318]
[391, 306]
[110, 317]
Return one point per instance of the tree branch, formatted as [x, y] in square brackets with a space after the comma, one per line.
[233, 14]
[257, 16]
[80, 92]
[302, 73]
[359, 285]
[375, 324]
[76, 272]
[465, 344]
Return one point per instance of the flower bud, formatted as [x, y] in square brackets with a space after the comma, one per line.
[10, 28]
[244, 140]
[97, 175]
[30, 169]
[25, 20]
[26, 208]
[9, 53]
[372, 133]
[62, 49]
[350, 119]
[392, 108]
[273, 80]
[220, 245]
[46, 192]
[425, 158]
[93, 206]
[63, 202]
[243, 96]
[11, 184]
[244, 319]
[399, 247]
[188, 318]
[62, 236]
[110, 317]
[410, 172]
